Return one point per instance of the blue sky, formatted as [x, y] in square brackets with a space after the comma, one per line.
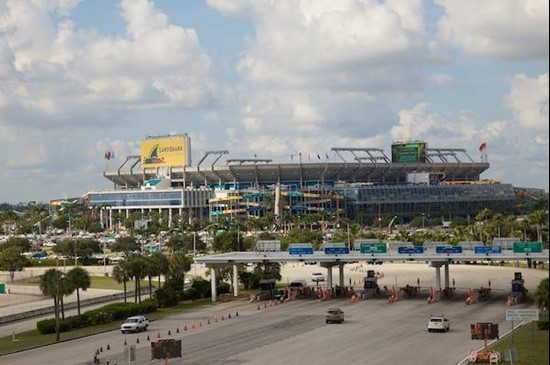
[266, 78]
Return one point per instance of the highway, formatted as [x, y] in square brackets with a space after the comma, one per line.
[374, 332]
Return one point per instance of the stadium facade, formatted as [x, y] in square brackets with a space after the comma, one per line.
[415, 180]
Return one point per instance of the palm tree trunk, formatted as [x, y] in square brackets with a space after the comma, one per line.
[124, 281]
[139, 290]
[150, 287]
[56, 306]
[62, 307]
[135, 289]
[78, 300]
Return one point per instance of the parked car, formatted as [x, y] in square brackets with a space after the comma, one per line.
[439, 323]
[135, 324]
[334, 315]
[317, 277]
[279, 294]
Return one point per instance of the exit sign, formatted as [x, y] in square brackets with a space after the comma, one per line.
[527, 247]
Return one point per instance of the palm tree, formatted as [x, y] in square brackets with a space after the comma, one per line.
[151, 269]
[79, 279]
[180, 264]
[49, 286]
[121, 275]
[136, 269]
[538, 218]
[163, 265]
[65, 288]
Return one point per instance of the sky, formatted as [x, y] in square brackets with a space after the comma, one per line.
[271, 78]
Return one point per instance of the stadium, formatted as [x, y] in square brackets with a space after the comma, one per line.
[366, 182]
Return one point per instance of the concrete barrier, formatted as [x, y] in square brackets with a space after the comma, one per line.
[70, 305]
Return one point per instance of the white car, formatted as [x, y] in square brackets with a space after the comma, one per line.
[317, 277]
[135, 324]
[439, 323]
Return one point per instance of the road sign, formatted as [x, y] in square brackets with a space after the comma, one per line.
[373, 248]
[527, 247]
[487, 250]
[300, 250]
[410, 249]
[484, 331]
[522, 314]
[165, 349]
[448, 249]
[336, 250]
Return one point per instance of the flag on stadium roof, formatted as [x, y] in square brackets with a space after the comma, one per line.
[483, 147]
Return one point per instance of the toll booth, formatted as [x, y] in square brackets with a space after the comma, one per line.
[519, 293]
[370, 285]
[267, 289]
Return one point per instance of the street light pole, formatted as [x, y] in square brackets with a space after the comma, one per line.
[349, 241]
[57, 330]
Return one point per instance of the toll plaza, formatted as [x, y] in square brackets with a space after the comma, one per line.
[437, 254]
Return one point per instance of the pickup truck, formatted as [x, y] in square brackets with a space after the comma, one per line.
[134, 324]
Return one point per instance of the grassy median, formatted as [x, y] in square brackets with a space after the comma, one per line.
[98, 282]
[31, 339]
[531, 345]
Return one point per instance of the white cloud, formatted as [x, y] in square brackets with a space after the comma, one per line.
[440, 79]
[511, 29]
[61, 84]
[528, 99]
[518, 146]
[320, 71]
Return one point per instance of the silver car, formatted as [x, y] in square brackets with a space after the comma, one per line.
[334, 315]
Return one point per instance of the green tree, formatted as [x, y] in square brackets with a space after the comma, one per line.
[541, 295]
[12, 260]
[302, 236]
[136, 265]
[49, 286]
[79, 279]
[23, 244]
[180, 264]
[127, 245]
[121, 275]
[539, 219]
[83, 248]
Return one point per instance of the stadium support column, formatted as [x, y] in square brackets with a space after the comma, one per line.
[213, 283]
[446, 276]
[438, 277]
[170, 217]
[110, 218]
[101, 218]
[329, 276]
[235, 280]
[341, 274]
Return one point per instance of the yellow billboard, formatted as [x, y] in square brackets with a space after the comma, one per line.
[165, 151]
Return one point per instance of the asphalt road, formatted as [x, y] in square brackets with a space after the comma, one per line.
[374, 332]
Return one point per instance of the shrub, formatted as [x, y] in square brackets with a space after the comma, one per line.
[106, 314]
[190, 294]
[202, 286]
[47, 326]
[542, 325]
[223, 288]
[149, 306]
[166, 297]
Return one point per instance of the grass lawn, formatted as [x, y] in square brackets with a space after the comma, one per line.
[98, 282]
[529, 352]
[31, 339]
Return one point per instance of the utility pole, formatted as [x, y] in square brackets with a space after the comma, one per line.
[57, 329]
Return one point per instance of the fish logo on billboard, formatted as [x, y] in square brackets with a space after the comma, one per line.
[153, 156]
